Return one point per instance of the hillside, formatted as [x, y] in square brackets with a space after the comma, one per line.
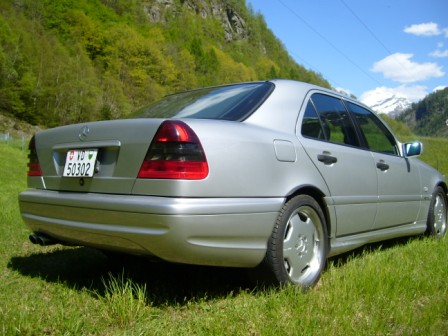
[429, 117]
[76, 60]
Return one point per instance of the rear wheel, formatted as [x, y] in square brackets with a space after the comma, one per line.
[437, 215]
[297, 248]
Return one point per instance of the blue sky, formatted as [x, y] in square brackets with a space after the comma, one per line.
[366, 47]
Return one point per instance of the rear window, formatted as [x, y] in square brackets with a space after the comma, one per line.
[232, 102]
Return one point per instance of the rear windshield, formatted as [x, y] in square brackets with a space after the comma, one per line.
[232, 102]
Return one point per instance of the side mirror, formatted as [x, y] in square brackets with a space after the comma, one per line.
[412, 148]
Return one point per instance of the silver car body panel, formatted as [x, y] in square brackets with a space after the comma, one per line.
[225, 219]
[221, 232]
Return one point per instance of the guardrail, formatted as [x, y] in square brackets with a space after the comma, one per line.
[18, 142]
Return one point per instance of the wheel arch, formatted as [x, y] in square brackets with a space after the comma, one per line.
[319, 197]
[444, 187]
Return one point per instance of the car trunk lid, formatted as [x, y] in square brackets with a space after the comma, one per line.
[120, 146]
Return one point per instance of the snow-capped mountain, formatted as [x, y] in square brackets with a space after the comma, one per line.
[392, 104]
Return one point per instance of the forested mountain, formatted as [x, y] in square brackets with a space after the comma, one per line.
[429, 116]
[69, 61]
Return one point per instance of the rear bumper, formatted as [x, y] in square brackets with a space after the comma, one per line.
[211, 231]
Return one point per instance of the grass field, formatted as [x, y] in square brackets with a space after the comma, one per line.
[397, 288]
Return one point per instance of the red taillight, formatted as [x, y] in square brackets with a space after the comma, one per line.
[175, 153]
[33, 161]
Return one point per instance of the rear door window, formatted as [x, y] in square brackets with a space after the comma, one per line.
[311, 124]
[336, 124]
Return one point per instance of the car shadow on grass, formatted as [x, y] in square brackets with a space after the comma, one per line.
[166, 283]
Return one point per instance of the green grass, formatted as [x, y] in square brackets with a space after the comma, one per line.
[435, 153]
[394, 288]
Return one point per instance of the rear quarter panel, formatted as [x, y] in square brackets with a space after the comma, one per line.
[242, 163]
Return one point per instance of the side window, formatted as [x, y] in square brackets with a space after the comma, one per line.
[376, 136]
[311, 125]
[335, 119]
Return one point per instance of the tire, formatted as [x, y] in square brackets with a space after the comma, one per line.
[437, 216]
[297, 249]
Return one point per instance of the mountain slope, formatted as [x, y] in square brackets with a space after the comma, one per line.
[76, 60]
[392, 104]
[429, 117]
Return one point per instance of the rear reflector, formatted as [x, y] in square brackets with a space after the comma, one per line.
[33, 161]
[175, 153]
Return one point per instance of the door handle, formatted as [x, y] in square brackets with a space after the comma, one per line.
[382, 165]
[327, 159]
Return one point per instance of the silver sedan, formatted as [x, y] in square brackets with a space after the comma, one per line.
[275, 175]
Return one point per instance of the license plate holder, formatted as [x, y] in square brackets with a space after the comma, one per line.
[80, 162]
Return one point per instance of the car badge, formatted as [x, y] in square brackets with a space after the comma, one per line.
[83, 133]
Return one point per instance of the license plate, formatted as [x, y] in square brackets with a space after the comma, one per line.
[80, 163]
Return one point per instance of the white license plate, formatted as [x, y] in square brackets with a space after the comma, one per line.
[80, 163]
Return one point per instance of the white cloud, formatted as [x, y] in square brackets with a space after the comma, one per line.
[423, 29]
[439, 53]
[413, 93]
[400, 68]
[438, 88]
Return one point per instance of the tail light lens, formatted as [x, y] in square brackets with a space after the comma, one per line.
[175, 153]
[33, 161]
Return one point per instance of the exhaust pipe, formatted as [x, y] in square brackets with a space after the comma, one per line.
[42, 240]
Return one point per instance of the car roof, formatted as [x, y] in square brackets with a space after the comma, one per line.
[281, 110]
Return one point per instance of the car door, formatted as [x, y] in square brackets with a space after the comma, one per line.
[399, 192]
[330, 140]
